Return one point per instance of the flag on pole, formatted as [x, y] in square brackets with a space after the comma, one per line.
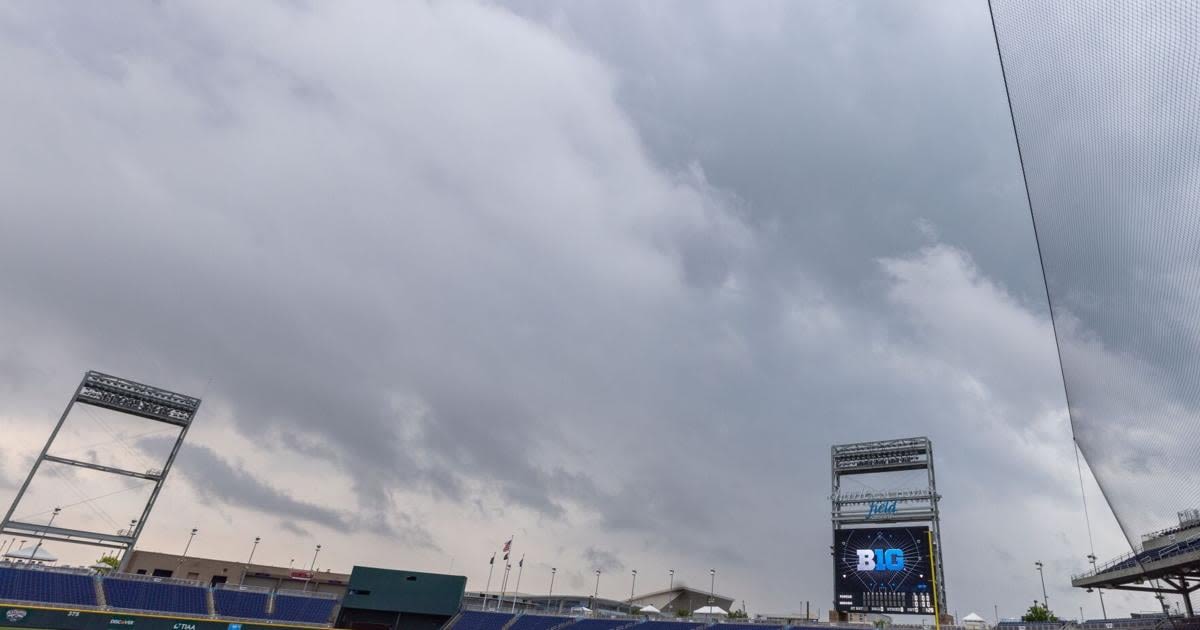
[508, 545]
[521, 563]
[493, 560]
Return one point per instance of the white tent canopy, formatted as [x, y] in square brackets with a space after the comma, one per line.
[35, 553]
[650, 610]
[710, 610]
[972, 617]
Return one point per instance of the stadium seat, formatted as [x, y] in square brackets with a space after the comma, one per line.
[538, 622]
[42, 585]
[742, 626]
[669, 625]
[155, 594]
[476, 620]
[303, 608]
[236, 602]
[600, 624]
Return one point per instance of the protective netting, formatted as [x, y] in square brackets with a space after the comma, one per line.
[1105, 98]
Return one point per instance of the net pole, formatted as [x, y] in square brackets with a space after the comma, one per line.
[937, 615]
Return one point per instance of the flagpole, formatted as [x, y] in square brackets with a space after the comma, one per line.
[520, 570]
[491, 566]
[503, 586]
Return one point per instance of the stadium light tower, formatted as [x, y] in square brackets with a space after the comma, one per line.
[550, 595]
[1092, 558]
[125, 397]
[633, 586]
[1042, 575]
[672, 584]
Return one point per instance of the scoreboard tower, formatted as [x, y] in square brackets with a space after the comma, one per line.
[887, 544]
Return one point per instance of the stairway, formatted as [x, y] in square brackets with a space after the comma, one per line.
[98, 582]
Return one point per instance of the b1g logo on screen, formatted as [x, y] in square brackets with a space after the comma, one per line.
[880, 559]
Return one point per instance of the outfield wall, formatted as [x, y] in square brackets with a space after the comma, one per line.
[37, 617]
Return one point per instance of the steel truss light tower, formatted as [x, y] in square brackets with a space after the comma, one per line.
[122, 396]
[915, 506]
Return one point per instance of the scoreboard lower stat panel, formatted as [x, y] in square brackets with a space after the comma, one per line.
[883, 570]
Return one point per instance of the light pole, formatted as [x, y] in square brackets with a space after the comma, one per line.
[596, 593]
[42, 536]
[186, 547]
[672, 585]
[491, 567]
[246, 569]
[550, 595]
[310, 567]
[1092, 559]
[712, 586]
[633, 586]
[1042, 575]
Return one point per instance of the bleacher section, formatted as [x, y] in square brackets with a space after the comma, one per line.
[244, 602]
[742, 626]
[156, 594]
[669, 625]
[1030, 625]
[1141, 623]
[600, 624]
[537, 622]
[47, 585]
[306, 608]
[478, 620]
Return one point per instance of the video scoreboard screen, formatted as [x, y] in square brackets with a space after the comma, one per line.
[883, 570]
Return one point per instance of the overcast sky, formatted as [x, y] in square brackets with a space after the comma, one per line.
[607, 276]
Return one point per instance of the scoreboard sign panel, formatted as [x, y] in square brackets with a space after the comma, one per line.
[883, 570]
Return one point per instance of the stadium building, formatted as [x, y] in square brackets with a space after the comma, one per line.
[214, 572]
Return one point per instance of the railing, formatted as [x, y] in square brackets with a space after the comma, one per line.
[1106, 566]
[243, 588]
[45, 568]
[139, 577]
[314, 594]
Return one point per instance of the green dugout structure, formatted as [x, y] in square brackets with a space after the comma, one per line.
[383, 599]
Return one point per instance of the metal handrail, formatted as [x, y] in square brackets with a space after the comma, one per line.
[139, 577]
[310, 594]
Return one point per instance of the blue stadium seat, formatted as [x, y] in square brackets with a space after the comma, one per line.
[234, 602]
[669, 625]
[148, 594]
[304, 608]
[599, 624]
[41, 585]
[476, 620]
[538, 622]
[742, 626]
